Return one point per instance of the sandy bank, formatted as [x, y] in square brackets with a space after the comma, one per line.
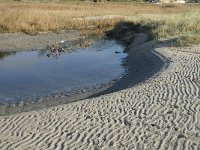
[142, 62]
[161, 113]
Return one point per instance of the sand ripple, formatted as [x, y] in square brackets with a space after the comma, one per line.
[161, 113]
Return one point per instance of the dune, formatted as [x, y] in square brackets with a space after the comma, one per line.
[162, 112]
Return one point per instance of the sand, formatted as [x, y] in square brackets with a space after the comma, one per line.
[160, 112]
[24, 42]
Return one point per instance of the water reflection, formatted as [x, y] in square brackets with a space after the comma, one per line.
[5, 54]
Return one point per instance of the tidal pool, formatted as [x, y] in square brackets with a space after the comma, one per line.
[32, 74]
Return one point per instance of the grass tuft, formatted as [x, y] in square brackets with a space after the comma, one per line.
[187, 40]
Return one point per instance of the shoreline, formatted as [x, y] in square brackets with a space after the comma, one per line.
[73, 40]
[142, 62]
[138, 71]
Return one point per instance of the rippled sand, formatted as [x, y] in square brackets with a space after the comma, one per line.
[161, 113]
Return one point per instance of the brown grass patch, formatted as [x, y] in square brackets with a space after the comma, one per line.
[37, 17]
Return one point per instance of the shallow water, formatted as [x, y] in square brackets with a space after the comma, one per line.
[32, 74]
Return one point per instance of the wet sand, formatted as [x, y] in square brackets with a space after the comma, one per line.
[23, 42]
[162, 112]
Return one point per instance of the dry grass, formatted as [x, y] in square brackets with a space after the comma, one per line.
[185, 26]
[36, 17]
[187, 40]
[160, 20]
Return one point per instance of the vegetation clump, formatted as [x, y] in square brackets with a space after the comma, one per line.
[187, 40]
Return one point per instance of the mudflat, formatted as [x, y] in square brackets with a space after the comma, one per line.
[24, 42]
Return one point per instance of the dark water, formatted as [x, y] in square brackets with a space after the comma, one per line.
[32, 74]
